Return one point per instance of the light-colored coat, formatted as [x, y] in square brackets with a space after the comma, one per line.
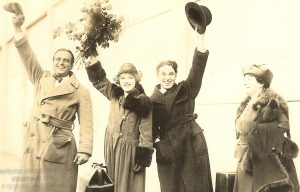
[47, 163]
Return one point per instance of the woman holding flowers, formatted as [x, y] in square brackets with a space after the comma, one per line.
[128, 137]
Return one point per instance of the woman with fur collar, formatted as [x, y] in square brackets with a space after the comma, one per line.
[264, 149]
[128, 137]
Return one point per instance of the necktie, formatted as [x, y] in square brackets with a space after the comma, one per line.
[59, 79]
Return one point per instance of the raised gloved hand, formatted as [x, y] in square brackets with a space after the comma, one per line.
[18, 19]
[13, 8]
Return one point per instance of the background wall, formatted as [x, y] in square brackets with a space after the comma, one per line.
[241, 33]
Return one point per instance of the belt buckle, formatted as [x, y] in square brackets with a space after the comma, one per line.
[45, 118]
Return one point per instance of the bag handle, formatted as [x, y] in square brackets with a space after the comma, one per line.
[100, 166]
[85, 179]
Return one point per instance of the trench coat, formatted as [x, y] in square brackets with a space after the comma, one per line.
[264, 149]
[181, 154]
[50, 148]
[128, 135]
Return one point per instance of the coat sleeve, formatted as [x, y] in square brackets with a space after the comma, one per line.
[144, 150]
[196, 72]
[29, 60]
[97, 77]
[85, 118]
[145, 129]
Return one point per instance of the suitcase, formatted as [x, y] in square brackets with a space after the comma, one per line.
[225, 181]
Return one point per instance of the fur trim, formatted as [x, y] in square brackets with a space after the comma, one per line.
[280, 185]
[246, 162]
[143, 156]
[289, 149]
[138, 102]
[95, 72]
[117, 91]
[269, 98]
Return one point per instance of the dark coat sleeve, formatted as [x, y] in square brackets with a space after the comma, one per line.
[196, 72]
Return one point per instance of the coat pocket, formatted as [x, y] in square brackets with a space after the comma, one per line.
[199, 145]
[164, 152]
[58, 148]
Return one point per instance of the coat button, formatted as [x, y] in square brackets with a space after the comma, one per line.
[43, 103]
[120, 134]
[31, 134]
[123, 117]
[55, 109]
[27, 150]
[43, 140]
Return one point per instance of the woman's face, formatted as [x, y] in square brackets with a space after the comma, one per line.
[127, 82]
[251, 84]
[166, 76]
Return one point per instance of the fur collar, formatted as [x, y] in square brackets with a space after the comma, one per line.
[267, 97]
[136, 100]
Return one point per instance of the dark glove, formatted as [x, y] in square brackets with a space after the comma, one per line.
[143, 156]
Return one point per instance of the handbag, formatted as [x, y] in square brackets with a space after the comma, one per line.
[96, 180]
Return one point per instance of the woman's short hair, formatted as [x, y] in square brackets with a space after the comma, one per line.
[67, 50]
[171, 63]
[130, 69]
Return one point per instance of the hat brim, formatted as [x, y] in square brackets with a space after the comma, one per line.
[198, 16]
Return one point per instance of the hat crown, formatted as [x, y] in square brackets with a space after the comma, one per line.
[127, 68]
[262, 71]
[198, 16]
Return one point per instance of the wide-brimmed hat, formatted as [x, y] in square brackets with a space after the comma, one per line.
[262, 71]
[198, 16]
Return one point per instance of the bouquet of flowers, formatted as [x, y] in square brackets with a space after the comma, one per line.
[97, 27]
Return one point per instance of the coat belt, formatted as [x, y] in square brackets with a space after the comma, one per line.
[59, 123]
[180, 120]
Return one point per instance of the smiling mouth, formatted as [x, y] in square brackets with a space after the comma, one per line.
[60, 67]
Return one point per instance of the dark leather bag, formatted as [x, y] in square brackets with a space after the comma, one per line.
[96, 180]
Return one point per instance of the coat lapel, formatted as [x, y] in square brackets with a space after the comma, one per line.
[170, 100]
[49, 89]
[157, 96]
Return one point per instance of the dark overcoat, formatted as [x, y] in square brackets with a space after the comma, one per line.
[50, 147]
[182, 154]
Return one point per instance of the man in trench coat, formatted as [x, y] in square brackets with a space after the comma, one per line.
[50, 160]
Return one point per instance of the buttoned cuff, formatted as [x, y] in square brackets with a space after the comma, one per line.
[20, 40]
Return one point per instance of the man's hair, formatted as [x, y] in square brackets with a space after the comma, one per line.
[171, 63]
[63, 49]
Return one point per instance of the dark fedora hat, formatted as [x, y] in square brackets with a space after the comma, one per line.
[198, 16]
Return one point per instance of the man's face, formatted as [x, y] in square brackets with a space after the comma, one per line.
[62, 63]
[166, 76]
